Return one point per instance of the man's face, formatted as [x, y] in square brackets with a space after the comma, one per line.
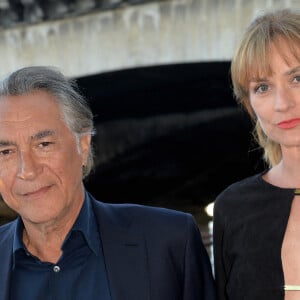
[40, 161]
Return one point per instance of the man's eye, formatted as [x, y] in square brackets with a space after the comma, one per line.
[44, 144]
[5, 152]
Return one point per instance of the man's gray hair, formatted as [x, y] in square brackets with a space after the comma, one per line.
[74, 107]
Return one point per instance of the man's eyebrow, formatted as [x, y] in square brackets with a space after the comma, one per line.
[42, 134]
[6, 143]
[37, 136]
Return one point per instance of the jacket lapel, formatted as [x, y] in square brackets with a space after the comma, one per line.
[125, 255]
[5, 262]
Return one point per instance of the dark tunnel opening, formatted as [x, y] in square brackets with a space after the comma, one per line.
[169, 135]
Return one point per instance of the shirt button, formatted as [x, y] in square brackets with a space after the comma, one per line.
[56, 269]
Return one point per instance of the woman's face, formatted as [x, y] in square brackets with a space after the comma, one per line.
[275, 98]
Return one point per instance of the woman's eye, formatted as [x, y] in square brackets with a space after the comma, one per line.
[262, 88]
[296, 79]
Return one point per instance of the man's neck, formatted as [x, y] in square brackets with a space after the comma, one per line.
[45, 240]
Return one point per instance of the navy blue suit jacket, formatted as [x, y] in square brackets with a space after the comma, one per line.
[150, 254]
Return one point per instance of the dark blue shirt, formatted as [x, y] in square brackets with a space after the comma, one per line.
[78, 275]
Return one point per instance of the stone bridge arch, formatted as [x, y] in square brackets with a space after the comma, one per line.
[129, 36]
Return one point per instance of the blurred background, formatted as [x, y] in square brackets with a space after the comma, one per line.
[156, 74]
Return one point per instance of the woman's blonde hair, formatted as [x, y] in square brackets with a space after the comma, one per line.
[251, 60]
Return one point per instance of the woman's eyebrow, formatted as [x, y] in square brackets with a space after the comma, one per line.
[258, 80]
[293, 70]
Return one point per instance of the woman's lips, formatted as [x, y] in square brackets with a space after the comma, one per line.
[289, 123]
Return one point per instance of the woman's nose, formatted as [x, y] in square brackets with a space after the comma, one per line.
[284, 99]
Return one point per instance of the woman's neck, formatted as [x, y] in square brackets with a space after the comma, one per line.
[286, 173]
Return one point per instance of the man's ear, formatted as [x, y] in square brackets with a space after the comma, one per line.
[85, 144]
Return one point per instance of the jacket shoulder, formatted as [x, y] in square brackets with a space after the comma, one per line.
[152, 221]
[143, 214]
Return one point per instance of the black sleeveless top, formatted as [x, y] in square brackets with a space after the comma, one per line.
[250, 219]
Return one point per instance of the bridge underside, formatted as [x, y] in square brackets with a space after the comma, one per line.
[94, 39]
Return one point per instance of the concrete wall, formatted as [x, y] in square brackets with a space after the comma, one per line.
[140, 35]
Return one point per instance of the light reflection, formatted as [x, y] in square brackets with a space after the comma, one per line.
[209, 209]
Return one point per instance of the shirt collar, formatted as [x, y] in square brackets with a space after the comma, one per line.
[86, 223]
[17, 242]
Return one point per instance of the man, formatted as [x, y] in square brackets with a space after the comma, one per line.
[65, 244]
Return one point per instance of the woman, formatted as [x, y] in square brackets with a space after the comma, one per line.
[257, 220]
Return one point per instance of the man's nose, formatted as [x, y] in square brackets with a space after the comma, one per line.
[28, 167]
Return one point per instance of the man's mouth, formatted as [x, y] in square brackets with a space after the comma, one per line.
[37, 192]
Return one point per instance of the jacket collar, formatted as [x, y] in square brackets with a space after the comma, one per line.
[6, 259]
[125, 253]
[124, 249]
